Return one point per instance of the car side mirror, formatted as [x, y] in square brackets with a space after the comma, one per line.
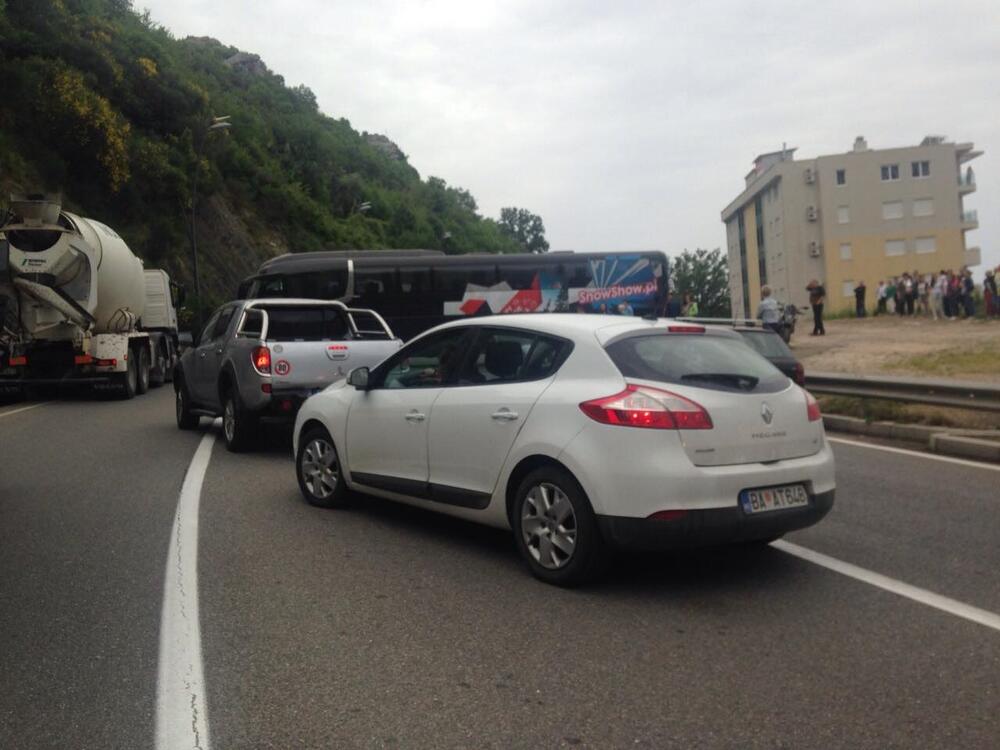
[358, 377]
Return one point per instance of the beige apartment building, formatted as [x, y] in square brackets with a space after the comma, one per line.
[864, 215]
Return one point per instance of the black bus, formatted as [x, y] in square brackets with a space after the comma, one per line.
[417, 289]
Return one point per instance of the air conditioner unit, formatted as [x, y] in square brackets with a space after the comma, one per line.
[815, 249]
[810, 176]
[812, 213]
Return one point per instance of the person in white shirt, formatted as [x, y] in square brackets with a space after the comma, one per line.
[939, 288]
[880, 295]
[767, 311]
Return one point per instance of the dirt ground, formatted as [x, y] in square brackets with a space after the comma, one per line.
[891, 345]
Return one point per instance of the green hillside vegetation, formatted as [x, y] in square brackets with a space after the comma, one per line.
[108, 108]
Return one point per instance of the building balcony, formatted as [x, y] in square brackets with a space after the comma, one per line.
[966, 152]
[972, 257]
[970, 220]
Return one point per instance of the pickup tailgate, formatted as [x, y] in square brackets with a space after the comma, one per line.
[313, 365]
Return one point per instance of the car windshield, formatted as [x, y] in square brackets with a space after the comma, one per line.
[767, 343]
[702, 361]
[305, 324]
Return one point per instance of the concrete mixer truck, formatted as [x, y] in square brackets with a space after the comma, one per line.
[77, 307]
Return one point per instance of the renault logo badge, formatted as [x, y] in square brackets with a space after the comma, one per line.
[766, 413]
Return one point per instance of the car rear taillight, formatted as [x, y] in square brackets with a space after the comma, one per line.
[261, 358]
[651, 408]
[800, 375]
[812, 408]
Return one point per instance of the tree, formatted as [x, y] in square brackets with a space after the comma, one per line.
[705, 274]
[525, 228]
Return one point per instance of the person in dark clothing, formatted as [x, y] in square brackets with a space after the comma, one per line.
[817, 296]
[859, 299]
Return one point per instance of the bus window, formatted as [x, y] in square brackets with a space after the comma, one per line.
[577, 274]
[450, 282]
[522, 276]
[268, 287]
[319, 285]
[373, 285]
[414, 280]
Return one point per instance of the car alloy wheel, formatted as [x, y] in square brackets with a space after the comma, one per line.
[548, 526]
[229, 421]
[320, 468]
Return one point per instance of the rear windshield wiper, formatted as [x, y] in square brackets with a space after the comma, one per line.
[732, 379]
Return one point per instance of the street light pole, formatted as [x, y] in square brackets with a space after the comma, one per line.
[218, 123]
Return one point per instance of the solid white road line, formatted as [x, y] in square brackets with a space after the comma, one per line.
[23, 408]
[181, 719]
[951, 606]
[918, 454]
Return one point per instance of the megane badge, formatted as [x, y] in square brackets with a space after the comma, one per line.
[766, 413]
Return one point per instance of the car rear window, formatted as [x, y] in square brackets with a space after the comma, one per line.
[305, 324]
[697, 360]
[767, 343]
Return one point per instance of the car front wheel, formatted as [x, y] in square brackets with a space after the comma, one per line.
[555, 528]
[317, 466]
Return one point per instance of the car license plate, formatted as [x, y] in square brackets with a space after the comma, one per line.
[774, 498]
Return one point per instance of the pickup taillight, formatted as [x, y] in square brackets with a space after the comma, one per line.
[261, 358]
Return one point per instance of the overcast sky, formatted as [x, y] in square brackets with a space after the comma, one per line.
[630, 124]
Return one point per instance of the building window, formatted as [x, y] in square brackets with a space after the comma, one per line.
[890, 172]
[923, 207]
[761, 250]
[848, 289]
[843, 215]
[926, 245]
[895, 247]
[744, 280]
[920, 169]
[845, 251]
[841, 176]
[892, 210]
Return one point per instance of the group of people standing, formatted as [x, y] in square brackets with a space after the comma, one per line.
[947, 294]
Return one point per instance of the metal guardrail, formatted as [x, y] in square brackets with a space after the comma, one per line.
[950, 393]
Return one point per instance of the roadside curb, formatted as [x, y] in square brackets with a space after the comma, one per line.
[970, 444]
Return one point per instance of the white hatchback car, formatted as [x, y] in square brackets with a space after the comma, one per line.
[577, 432]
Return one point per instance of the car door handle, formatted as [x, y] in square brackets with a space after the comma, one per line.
[415, 416]
[504, 415]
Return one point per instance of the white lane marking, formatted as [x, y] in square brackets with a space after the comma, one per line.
[945, 604]
[181, 718]
[918, 454]
[23, 408]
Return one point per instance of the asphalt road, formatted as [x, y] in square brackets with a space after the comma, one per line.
[385, 626]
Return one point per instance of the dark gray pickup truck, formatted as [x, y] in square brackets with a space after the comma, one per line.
[258, 360]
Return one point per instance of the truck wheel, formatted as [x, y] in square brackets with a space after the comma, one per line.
[142, 377]
[186, 419]
[238, 427]
[158, 374]
[317, 466]
[128, 381]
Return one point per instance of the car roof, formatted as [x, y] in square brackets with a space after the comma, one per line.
[578, 326]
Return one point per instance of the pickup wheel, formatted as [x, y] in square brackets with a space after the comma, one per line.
[186, 419]
[142, 376]
[317, 467]
[128, 381]
[238, 427]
